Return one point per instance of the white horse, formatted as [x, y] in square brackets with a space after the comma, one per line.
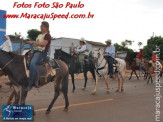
[102, 65]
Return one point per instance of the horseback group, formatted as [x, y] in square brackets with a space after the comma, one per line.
[42, 70]
[146, 68]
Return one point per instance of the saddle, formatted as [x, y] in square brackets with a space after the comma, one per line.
[46, 71]
[115, 67]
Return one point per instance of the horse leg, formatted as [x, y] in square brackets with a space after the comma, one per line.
[52, 102]
[93, 74]
[148, 79]
[23, 96]
[107, 84]
[10, 98]
[118, 83]
[17, 96]
[96, 83]
[66, 101]
[151, 80]
[72, 77]
[85, 76]
[145, 74]
[136, 74]
[131, 75]
[122, 84]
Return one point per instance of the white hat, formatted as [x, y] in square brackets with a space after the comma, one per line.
[108, 41]
[82, 40]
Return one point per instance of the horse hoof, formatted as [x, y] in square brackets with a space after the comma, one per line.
[122, 90]
[117, 90]
[83, 88]
[34, 113]
[93, 93]
[65, 109]
[107, 92]
[73, 91]
[47, 112]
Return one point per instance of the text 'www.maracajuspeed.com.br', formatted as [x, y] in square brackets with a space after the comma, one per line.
[49, 16]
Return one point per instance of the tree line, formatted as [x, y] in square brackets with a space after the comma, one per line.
[124, 46]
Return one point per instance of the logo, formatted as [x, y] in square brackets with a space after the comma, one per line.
[17, 112]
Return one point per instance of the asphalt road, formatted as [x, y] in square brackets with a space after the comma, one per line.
[135, 104]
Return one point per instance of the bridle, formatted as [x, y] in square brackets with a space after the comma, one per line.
[100, 62]
[7, 63]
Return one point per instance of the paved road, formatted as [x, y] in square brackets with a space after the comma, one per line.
[135, 104]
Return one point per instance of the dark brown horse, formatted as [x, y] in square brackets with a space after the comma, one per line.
[15, 67]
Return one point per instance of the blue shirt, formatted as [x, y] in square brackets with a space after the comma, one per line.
[110, 50]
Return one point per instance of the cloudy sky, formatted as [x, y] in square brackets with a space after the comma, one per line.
[113, 19]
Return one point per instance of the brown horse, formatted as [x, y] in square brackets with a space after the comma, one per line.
[15, 67]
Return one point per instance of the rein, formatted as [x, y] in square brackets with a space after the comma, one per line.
[100, 64]
[19, 50]
[8, 63]
[100, 68]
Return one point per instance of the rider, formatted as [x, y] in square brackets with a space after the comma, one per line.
[6, 46]
[41, 48]
[81, 52]
[154, 56]
[109, 55]
[140, 57]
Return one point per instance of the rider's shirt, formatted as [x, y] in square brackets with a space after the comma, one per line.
[41, 38]
[110, 51]
[140, 55]
[81, 49]
[6, 46]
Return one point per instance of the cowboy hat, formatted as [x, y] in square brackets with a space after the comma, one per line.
[82, 40]
[108, 41]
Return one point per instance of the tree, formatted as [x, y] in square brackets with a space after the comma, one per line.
[140, 44]
[123, 48]
[126, 43]
[151, 46]
[16, 35]
[32, 34]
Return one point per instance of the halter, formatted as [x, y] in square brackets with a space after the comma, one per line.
[7, 63]
[100, 68]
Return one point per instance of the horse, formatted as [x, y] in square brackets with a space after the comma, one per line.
[102, 70]
[70, 60]
[151, 68]
[15, 66]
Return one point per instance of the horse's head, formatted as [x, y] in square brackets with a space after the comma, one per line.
[150, 63]
[96, 54]
[57, 53]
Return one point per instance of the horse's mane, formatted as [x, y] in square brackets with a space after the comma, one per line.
[65, 53]
[97, 49]
[11, 55]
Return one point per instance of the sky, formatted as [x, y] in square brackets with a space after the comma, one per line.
[117, 20]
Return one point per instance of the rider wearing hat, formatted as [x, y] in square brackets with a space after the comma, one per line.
[81, 52]
[109, 55]
[154, 56]
[140, 57]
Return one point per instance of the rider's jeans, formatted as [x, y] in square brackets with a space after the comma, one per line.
[110, 61]
[140, 64]
[37, 57]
